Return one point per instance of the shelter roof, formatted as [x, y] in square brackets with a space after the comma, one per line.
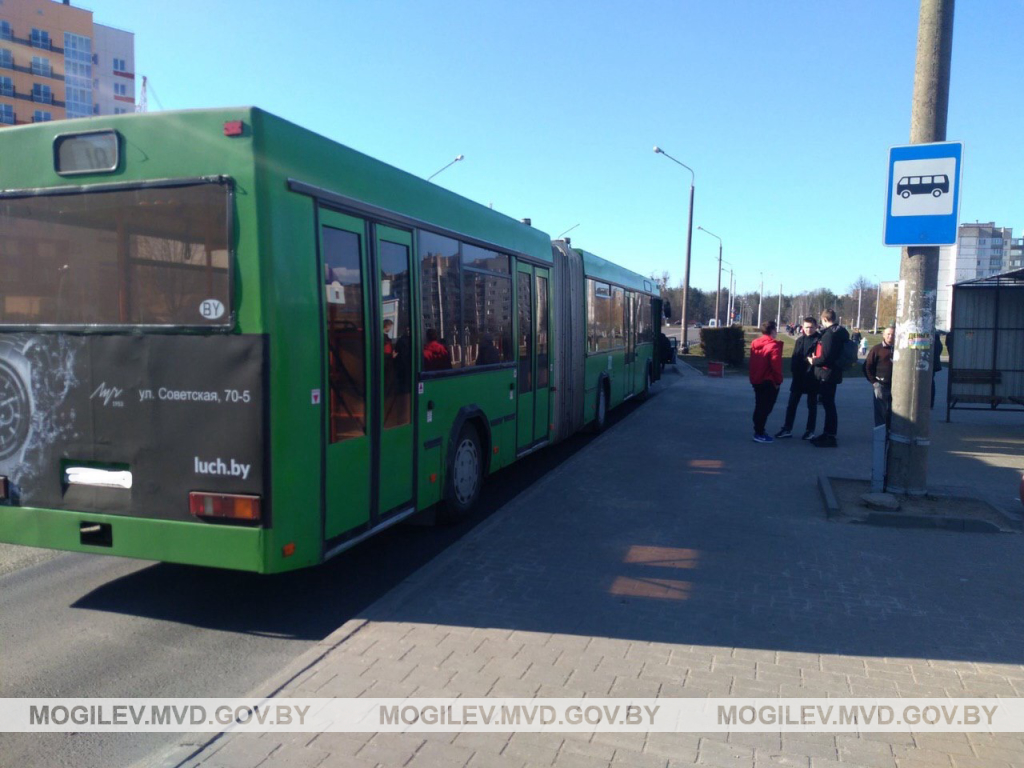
[1013, 277]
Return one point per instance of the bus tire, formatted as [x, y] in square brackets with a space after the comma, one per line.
[601, 412]
[464, 478]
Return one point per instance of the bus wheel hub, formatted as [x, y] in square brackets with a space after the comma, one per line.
[466, 471]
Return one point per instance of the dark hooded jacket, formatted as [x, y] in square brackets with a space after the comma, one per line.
[802, 373]
[827, 353]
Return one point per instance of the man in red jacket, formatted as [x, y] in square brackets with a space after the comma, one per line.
[765, 377]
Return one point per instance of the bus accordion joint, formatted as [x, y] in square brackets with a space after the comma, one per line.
[225, 506]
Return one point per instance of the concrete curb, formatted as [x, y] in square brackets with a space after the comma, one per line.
[832, 508]
[180, 754]
[389, 604]
[687, 365]
[921, 522]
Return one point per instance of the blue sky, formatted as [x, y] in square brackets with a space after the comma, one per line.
[785, 111]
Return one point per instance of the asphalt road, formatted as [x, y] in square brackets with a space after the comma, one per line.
[88, 626]
[692, 334]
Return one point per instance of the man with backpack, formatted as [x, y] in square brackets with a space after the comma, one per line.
[802, 381]
[831, 356]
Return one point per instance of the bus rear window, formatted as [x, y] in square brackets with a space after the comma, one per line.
[152, 256]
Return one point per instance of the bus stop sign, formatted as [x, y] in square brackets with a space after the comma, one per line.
[922, 202]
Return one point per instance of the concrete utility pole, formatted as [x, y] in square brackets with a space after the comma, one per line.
[907, 461]
[684, 319]
[878, 298]
[778, 315]
[718, 294]
[732, 292]
[860, 295]
[760, 296]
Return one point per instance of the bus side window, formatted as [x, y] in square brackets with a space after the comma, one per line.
[346, 342]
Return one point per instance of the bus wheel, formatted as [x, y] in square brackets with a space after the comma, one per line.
[601, 416]
[465, 476]
[936, 193]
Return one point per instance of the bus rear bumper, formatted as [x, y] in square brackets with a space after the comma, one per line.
[216, 546]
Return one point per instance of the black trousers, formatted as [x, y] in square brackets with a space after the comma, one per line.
[794, 401]
[765, 394]
[827, 396]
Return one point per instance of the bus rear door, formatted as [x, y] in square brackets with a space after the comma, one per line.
[533, 361]
[368, 462]
[394, 470]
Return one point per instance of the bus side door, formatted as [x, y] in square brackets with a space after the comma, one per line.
[394, 463]
[347, 453]
[533, 370]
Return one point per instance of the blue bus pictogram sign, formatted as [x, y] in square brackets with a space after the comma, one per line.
[922, 204]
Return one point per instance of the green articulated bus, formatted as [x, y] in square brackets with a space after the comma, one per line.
[228, 341]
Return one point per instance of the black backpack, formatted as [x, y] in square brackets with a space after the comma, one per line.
[848, 356]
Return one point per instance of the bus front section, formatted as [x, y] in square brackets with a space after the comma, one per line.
[132, 408]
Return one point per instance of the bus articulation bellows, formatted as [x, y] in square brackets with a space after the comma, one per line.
[228, 341]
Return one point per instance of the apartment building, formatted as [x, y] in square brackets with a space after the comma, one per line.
[982, 249]
[56, 63]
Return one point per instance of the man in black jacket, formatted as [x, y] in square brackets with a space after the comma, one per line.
[802, 381]
[878, 370]
[829, 374]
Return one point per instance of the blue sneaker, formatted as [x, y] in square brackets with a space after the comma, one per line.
[764, 438]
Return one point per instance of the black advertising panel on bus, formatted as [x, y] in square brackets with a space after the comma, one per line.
[131, 424]
[92, 152]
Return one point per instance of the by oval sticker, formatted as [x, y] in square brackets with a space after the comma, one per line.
[211, 309]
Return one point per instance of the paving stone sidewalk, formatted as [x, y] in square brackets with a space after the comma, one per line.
[674, 557]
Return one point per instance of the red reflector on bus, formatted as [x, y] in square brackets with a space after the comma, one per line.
[288, 549]
[224, 506]
[233, 128]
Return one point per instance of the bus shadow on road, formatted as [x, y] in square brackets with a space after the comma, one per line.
[311, 603]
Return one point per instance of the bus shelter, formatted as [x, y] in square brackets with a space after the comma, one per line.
[986, 357]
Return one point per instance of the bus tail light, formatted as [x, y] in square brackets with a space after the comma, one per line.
[3, 488]
[225, 506]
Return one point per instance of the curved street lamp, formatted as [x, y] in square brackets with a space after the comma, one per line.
[453, 162]
[689, 239]
[718, 295]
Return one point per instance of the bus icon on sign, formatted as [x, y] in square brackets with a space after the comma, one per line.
[923, 185]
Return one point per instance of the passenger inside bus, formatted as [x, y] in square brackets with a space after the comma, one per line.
[488, 354]
[389, 345]
[435, 354]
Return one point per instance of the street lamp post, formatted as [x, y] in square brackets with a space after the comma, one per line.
[718, 295]
[878, 296]
[689, 239]
[453, 162]
[760, 298]
[728, 305]
[732, 296]
[860, 295]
